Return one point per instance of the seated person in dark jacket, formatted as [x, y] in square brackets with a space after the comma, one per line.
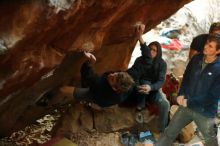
[104, 90]
[149, 73]
[199, 41]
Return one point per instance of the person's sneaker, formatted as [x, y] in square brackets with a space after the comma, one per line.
[139, 117]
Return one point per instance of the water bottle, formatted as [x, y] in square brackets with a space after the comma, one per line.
[218, 112]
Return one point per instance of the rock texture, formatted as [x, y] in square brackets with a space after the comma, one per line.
[94, 126]
[39, 40]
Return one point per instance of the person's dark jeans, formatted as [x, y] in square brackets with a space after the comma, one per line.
[141, 101]
[181, 118]
[164, 108]
[161, 102]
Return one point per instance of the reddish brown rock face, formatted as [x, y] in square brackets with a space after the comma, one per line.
[36, 36]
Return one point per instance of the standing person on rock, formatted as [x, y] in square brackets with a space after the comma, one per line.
[151, 71]
[198, 95]
[199, 41]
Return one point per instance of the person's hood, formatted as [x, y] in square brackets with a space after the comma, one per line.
[159, 50]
